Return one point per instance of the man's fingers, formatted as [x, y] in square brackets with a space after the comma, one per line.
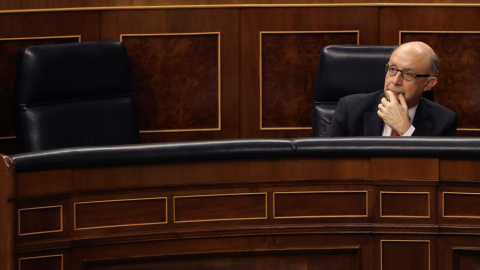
[391, 96]
[403, 101]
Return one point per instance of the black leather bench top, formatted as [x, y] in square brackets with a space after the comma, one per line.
[442, 147]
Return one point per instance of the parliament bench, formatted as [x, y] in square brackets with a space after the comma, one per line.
[301, 203]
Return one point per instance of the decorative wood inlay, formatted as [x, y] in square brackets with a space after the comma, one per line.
[458, 85]
[120, 213]
[288, 68]
[219, 207]
[8, 53]
[405, 204]
[405, 254]
[321, 204]
[460, 205]
[50, 262]
[177, 80]
[40, 220]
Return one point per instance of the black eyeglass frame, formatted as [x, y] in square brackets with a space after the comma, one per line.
[387, 66]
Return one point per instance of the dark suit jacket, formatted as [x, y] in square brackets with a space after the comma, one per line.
[356, 115]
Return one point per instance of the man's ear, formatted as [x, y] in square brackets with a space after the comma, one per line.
[430, 83]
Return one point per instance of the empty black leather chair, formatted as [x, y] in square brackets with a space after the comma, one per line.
[77, 94]
[345, 70]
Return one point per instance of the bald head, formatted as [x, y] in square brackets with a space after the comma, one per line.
[421, 53]
[414, 57]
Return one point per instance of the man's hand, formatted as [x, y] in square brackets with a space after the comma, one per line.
[394, 112]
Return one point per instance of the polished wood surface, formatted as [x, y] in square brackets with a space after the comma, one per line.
[241, 71]
[34, 4]
[289, 213]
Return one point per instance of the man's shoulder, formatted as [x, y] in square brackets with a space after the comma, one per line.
[436, 108]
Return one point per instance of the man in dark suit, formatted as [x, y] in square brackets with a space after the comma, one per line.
[398, 109]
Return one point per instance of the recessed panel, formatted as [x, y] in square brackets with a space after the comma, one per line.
[220, 207]
[40, 220]
[53, 262]
[466, 258]
[176, 79]
[331, 257]
[120, 213]
[321, 204]
[458, 85]
[405, 254]
[289, 64]
[405, 204]
[461, 205]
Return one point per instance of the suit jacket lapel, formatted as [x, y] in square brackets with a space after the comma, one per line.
[372, 123]
[421, 122]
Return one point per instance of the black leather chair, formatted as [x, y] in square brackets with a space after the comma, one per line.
[344, 70]
[77, 94]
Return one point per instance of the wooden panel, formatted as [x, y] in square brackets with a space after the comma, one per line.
[459, 85]
[35, 4]
[459, 169]
[120, 213]
[453, 34]
[321, 204]
[220, 207]
[177, 80]
[466, 259]
[288, 84]
[263, 207]
[461, 205]
[185, 70]
[188, 173]
[289, 62]
[40, 220]
[405, 254]
[53, 262]
[405, 204]
[7, 209]
[394, 168]
[341, 258]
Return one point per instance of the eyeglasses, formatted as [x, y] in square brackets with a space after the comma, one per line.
[406, 75]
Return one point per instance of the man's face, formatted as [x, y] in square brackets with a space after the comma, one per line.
[409, 58]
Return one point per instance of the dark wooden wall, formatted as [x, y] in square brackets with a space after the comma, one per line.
[207, 71]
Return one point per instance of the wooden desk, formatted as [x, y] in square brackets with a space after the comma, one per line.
[299, 212]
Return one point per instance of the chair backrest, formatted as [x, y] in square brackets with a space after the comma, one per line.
[76, 94]
[345, 70]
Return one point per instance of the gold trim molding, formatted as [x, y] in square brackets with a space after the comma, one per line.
[457, 193]
[39, 208]
[40, 257]
[217, 6]
[405, 241]
[322, 216]
[44, 37]
[219, 195]
[400, 216]
[75, 227]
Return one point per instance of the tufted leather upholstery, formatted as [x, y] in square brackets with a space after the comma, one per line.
[77, 94]
[345, 70]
